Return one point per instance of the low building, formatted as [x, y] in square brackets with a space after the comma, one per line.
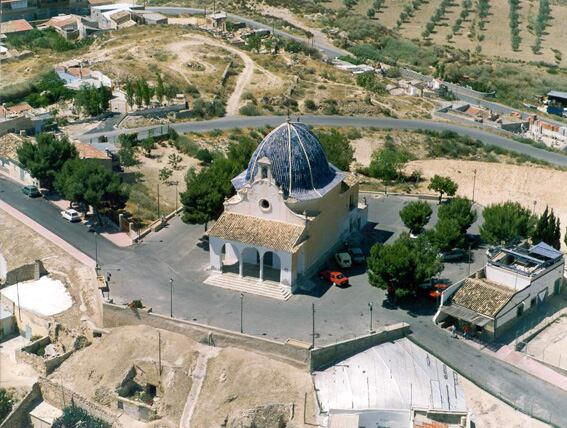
[35, 10]
[515, 280]
[149, 18]
[557, 103]
[114, 16]
[7, 322]
[9, 164]
[551, 134]
[77, 75]
[18, 26]
[87, 151]
[69, 26]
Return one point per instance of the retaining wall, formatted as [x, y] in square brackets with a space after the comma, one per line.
[25, 272]
[116, 316]
[326, 356]
[19, 416]
[60, 396]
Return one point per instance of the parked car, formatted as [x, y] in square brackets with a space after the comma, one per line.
[31, 191]
[335, 277]
[453, 255]
[71, 215]
[356, 255]
[343, 260]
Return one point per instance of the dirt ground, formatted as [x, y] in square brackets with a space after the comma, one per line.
[16, 378]
[238, 380]
[550, 345]
[501, 182]
[235, 381]
[489, 412]
[21, 245]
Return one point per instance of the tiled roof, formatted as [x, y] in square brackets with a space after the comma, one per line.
[62, 21]
[86, 151]
[9, 143]
[482, 296]
[19, 108]
[80, 72]
[257, 232]
[16, 26]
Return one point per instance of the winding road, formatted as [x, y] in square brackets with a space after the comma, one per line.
[230, 122]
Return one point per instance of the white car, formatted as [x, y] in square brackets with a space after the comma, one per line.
[71, 215]
[343, 260]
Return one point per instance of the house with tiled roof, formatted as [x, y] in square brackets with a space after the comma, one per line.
[515, 280]
[291, 210]
[17, 26]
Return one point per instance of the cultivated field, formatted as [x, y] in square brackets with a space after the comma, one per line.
[495, 39]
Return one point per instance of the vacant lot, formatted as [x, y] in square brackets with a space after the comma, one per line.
[550, 345]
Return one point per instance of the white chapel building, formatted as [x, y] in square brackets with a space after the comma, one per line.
[292, 209]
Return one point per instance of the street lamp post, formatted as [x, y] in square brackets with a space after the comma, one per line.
[474, 185]
[535, 203]
[96, 250]
[370, 308]
[158, 210]
[171, 297]
[313, 331]
[241, 312]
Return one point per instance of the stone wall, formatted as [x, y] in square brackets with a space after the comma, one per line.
[19, 416]
[42, 366]
[59, 396]
[332, 354]
[25, 272]
[116, 316]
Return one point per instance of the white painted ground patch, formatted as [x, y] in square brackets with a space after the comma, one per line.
[46, 296]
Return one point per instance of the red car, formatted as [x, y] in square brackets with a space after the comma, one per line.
[335, 277]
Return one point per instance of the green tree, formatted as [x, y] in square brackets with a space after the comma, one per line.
[443, 185]
[310, 105]
[93, 101]
[388, 162]
[370, 82]
[130, 90]
[165, 173]
[547, 229]
[207, 189]
[447, 235]
[6, 404]
[404, 264]
[46, 158]
[416, 215]
[160, 87]
[87, 181]
[458, 209]
[148, 144]
[127, 155]
[337, 148]
[507, 223]
[174, 160]
[76, 417]
[371, 13]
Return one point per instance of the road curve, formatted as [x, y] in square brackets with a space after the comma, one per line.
[326, 49]
[229, 122]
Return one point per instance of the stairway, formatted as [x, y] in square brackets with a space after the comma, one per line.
[250, 285]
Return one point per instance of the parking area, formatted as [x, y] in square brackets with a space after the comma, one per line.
[385, 226]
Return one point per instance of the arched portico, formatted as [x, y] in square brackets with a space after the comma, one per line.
[270, 267]
[229, 258]
[250, 263]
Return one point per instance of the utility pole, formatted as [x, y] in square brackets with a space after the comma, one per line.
[158, 210]
[370, 307]
[241, 312]
[96, 251]
[473, 185]
[176, 195]
[19, 306]
[535, 203]
[159, 352]
[171, 297]
[313, 332]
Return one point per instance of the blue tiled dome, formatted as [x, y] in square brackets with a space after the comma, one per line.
[299, 165]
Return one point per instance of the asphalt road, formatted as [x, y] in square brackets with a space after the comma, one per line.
[350, 121]
[143, 271]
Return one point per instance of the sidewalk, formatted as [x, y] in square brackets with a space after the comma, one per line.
[120, 239]
[80, 256]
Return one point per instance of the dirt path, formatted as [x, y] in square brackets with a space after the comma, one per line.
[245, 77]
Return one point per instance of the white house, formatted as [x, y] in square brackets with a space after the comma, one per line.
[291, 210]
[513, 281]
[9, 165]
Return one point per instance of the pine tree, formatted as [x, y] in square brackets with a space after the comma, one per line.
[548, 229]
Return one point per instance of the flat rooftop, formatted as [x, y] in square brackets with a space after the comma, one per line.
[527, 261]
[392, 376]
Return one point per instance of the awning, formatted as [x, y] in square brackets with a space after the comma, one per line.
[466, 314]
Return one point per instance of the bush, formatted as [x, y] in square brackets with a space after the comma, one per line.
[310, 105]
[76, 417]
[249, 109]
[370, 82]
[6, 404]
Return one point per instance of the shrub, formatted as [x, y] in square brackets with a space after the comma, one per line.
[249, 109]
[76, 417]
[310, 105]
